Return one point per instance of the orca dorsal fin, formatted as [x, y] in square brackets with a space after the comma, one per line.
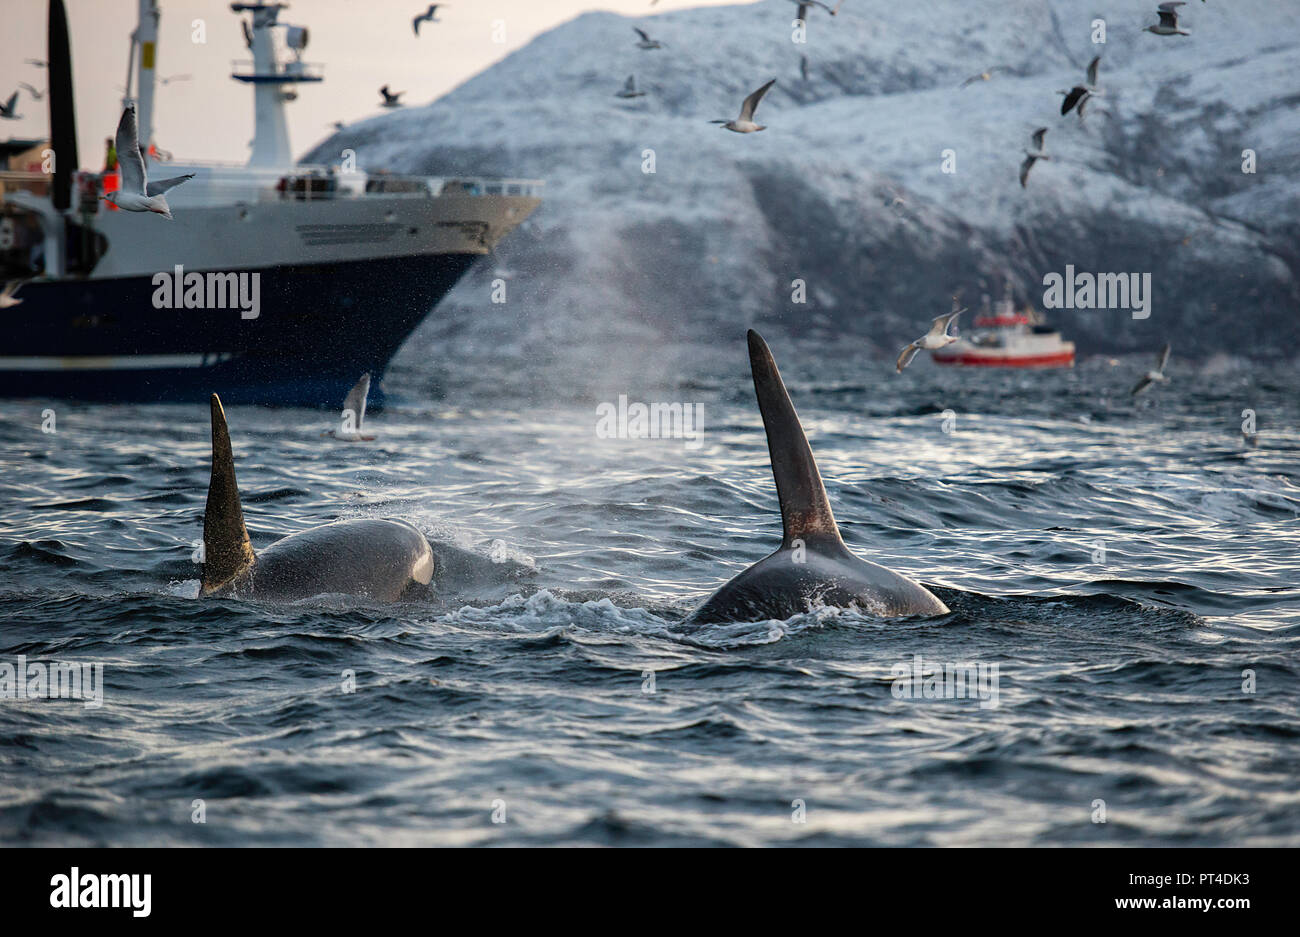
[227, 551]
[805, 510]
[356, 402]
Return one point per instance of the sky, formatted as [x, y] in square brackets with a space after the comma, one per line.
[360, 45]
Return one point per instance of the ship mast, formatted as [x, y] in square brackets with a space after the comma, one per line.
[269, 79]
[146, 38]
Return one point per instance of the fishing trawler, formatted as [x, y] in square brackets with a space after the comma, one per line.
[1004, 337]
[333, 268]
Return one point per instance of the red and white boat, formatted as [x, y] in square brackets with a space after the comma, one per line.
[1006, 338]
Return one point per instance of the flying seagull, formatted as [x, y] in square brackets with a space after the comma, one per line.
[428, 16]
[803, 5]
[1158, 374]
[39, 63]
[7, 300]
[745, 122]
[354, 413]
[646, 42]
[1034, 155]
[937, 337]
[137, 193]
[1168, 25]
[36, 95]
[391, 98]
[170, 78]
[9, 110]
[985, 75]
[629, 89]
[1079, 94]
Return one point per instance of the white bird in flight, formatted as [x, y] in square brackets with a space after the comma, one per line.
[629, 89]
[745, 122]
[351, 427]
[1032, 156]
[36, 95]
[9, 110]
[937, 337]
[1168, 25]
[136, 192]
[428, 16]
[1080, 94]
[646, 42]
[986, 75]
[1158, 375]
[803, 5]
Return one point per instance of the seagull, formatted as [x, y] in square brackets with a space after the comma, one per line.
[428, 16]
[39, 63]
[338, 125]
[985, 75]
[1080, 93]
[391, 98]
[1158, 374]
[11, 287]
[937, 337]
[170, 78]
[1168, 25]
[8, 110]
[1032, 156]
[745, 122]
[354, 413]
[646, 42]
[36, 95]
[629, 90]
[137, 193]
[803, 5]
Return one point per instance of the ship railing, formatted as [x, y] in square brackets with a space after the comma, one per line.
[231, 184]
[246, 70]
[38, 183]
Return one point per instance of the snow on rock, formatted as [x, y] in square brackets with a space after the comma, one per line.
[845, 190]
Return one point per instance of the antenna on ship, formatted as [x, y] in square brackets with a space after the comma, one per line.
[270, 80]
[144, 51]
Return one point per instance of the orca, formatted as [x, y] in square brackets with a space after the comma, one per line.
[351, 426]
[383, 559]
[813, 567]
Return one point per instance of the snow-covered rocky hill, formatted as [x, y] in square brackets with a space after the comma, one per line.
[846, 189]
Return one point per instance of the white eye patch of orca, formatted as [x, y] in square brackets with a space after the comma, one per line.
[375, 557]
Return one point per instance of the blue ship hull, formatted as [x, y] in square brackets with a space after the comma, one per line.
[319, 327]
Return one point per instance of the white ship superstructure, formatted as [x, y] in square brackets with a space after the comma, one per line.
[339, 253]
[1005, 337]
